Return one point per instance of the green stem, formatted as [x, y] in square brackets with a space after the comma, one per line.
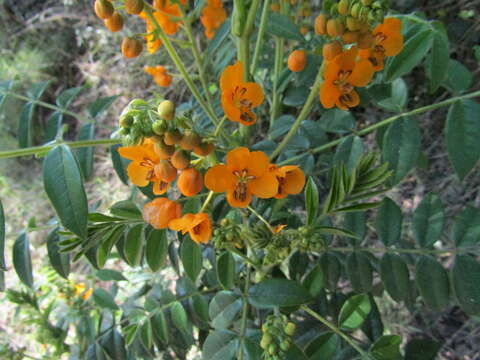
[303, 113]
[197, 57]
[181, 67]
[79, 117]
[277, 67]
[385, 122]
[218, 129]
[260, 36]
[73, 144]
[261, 218]
[207, 201]
[243, 326]
[336, 330]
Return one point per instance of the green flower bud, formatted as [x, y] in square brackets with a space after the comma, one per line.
[290, 328]
[379, 15]
[355, 10]
[285, 345]
[138, 104]
[377, 5]
[343, 6]
[272, 349]
[266, 341]
[366, 2]
[224, 222]
[166, 110]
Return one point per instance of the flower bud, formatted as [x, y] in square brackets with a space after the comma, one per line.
[180, 159]
[377, 5]
[165, 171]
[355, 10]
[190, 140]
[290, 328]
[163, 150]
[133, 7]
[285, 345]
[272, 349]
[266, 341]
[160, 212]
[379, 15]
[321, 24]
[343, 7]
[172, 137]
[131, 47]
[103, 9]
[335, 27]
[114, 23]
[204, 149]
[366, 2]
[331, 50]
[166, 110]
[297, 60]
[353, 24]
[190, 182]
[363, 15]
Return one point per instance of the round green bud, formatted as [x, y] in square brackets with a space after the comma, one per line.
[366, 2]
[230, 236]
[166, 109]
[272, 349]
[266, 341]
[343, 6]
[224, 222]
[355, 10]
[159, 127]
[285, 345]
[377, 5]
[290, 328]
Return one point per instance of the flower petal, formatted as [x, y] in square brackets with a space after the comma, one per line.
[231, 76]
[329, 94]
[294, 180]
[138, 174]
[362, 73]
[393, 44]
[258, 164]
[219, 179]
[254, 93]
[265, 186]
[238, 158]
[231, 111]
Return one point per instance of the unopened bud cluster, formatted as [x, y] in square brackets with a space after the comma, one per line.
[348, 22]
[277, 336]
[228, 234]
[173, 136]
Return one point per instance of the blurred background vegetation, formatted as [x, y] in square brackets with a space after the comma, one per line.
[62, 41]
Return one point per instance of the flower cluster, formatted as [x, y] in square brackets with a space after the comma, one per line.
[163, 213]
[159, 74]
[213, 16]
[355, 51]
[277, 333]
[246, 174]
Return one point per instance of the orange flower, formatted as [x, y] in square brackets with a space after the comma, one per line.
[153, 42]
[86, 295]
[213, 16]
[159, 74]
[190, 182]
[160, 212]
[291, 180]
[340, 76]
[279, 228]
[198, 226]
[244, 174]
[165, 15]
[239, 97]
[142, 169]
[387, 41]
